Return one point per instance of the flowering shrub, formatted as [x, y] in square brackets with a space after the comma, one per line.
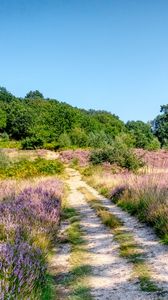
[156, 159]
[28, 223]
[82, 156]
[22, 271]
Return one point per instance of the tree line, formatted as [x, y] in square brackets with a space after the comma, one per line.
[39, 122]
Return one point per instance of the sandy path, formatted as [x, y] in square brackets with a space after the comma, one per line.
[111, 276]
[156, 254]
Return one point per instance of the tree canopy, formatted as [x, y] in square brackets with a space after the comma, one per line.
[160, 126]
[35, 119]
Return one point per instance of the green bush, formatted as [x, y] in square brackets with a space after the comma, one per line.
[154, 145]
[10, 144]
[79, 137]
[98, 139]
[4, 136]
[51, 146]
[118, 154]
[32, 143]
[64, 140]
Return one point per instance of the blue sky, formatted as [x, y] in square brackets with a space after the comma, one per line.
[102, 54]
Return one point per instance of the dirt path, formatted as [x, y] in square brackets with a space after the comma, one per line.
[112, 275]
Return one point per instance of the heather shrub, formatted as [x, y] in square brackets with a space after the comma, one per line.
[23, 271]
[145, 197]
[79, 155]
[28, 224]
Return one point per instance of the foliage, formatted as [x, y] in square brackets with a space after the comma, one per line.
[2, 119]
[160, 125]
[60, 123]
[142, 133]
[64, 140]
[34, 95]
[19, 120]
[154, 144]
[4, 136]
[9, 144]
[5, 95]
[56, 122]
[78, 137]
[98, 139]
[126, 138]
[118, 154]
[32, 143]
[26, 168]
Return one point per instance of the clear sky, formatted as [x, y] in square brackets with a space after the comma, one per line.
[102, 54]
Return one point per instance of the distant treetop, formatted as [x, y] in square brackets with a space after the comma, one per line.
[34, 95]
[5, 95]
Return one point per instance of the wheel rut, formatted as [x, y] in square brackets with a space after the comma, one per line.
[111, 276]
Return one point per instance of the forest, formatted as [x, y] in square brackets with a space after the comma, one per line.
[37, 122]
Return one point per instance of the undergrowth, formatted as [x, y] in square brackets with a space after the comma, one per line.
[28, 168]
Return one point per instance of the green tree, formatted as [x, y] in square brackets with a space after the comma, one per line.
[79, 137]
[142, 133]
[5, 95]
[34, 95]
[160, 125]
[19, 120]
[3, 119]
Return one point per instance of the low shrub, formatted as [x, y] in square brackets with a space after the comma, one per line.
[26, 168]
[52, 146]
[117, 154]
[28, 224]
[32, 143]
[9, 144]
